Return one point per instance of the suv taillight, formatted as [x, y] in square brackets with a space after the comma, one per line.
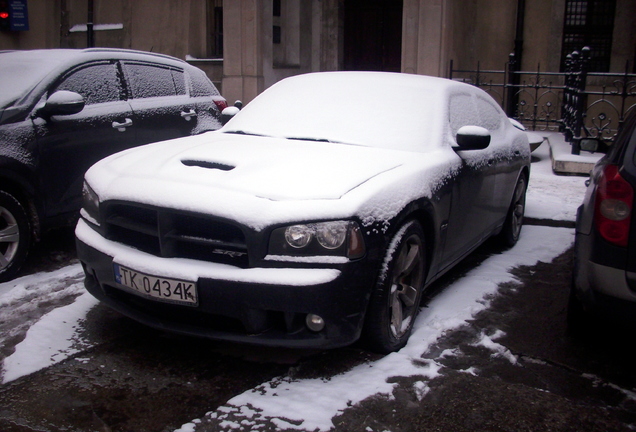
[220, 104]
[614, 199]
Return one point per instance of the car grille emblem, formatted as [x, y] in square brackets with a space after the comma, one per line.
[233, 254]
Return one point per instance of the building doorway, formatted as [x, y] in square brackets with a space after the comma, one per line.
[373, 35]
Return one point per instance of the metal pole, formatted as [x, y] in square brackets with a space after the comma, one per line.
[90, 42]
[521, 13]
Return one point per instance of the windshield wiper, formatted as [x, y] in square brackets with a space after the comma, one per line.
[313, 139]
[242, 132]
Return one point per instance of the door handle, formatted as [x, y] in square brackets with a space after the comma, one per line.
[188, 115]
[121, 127]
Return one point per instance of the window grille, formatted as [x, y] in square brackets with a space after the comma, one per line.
[589, 23]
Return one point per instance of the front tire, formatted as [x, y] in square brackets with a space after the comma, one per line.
[514, 218]
[396, 300]
[15, 236]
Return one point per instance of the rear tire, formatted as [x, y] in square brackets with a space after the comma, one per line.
[396, 300]
[15, 236]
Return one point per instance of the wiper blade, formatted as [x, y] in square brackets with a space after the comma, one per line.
[242, 132]
[312, 139]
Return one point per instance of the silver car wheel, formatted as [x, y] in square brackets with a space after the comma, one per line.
[407, 280]
[9, 237]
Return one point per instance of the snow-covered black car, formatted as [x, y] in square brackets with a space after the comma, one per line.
[317, 215]
[63, 110]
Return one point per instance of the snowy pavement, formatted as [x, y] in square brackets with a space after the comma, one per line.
[52, 336]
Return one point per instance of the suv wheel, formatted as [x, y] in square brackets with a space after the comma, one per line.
[15, 236]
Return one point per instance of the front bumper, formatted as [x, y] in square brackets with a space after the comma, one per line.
[266, 306]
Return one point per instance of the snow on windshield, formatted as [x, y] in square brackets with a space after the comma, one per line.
[398, 111]
[22, 70]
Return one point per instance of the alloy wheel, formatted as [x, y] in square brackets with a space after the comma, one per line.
[408, 275]
[9, 237]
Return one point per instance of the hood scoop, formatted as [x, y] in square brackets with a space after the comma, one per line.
[207, 164]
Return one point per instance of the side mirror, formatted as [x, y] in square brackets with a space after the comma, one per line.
[472, 138]
[62, 102]
[231, 111]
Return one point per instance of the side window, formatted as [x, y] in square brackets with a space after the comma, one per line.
[98, 83]
[201, 85]
[490, 115]
[148, 81]
[178, 78]
[462, 112]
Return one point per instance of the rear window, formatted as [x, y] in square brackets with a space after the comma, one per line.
[201, 84]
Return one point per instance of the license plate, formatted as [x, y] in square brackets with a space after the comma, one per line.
[157, 288]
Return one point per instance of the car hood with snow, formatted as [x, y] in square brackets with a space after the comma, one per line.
[244, 177]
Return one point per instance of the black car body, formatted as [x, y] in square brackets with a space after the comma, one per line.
[318, 214]
[604, 276]
[63, 110]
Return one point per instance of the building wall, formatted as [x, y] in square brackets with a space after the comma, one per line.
[44, 28]
[624, 38]
[434, 32]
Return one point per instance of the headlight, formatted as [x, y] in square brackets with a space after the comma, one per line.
[331, 235]
[298, 236]
[339, 238]
[90, 204]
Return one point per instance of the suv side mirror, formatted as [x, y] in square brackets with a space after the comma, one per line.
[472, 138]
[62, 102]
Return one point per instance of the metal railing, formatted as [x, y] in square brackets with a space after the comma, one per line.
[579, 103]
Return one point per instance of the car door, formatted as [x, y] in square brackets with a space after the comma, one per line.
[159, 100]
[67, 145]
[503, 154]
[471, 216]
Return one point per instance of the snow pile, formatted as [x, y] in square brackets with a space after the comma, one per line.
[30, 309]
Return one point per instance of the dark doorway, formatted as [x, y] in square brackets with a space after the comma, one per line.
[373, 35]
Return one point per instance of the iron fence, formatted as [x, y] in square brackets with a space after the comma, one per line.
[579, 103]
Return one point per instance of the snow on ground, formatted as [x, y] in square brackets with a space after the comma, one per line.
[50, 338]
[284, 401]
[53, 336]
[551, 196]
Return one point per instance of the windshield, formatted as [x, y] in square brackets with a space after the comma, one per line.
[20, 71]
[395, 111]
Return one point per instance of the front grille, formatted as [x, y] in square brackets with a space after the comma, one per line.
[171, 233]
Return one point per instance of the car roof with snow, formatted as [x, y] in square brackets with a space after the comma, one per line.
[361, 108]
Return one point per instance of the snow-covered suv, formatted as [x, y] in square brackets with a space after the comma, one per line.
[604, 281]
[63, 110]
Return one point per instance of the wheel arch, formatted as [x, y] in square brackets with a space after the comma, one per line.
[422, 211]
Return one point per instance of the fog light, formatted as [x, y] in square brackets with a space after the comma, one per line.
[314, 322]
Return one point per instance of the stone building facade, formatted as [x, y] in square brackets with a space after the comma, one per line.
[247, 45]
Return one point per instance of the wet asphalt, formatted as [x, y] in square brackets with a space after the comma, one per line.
[138, 379]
